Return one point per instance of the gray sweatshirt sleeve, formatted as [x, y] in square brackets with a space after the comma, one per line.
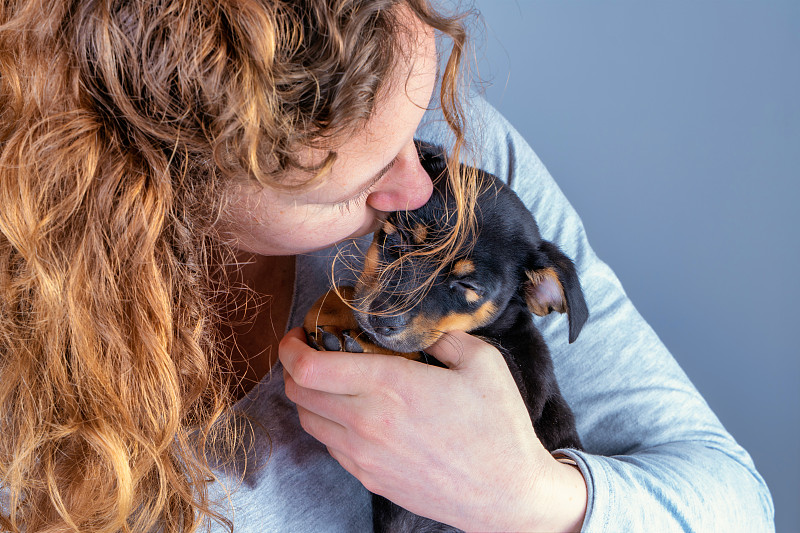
[656, 458]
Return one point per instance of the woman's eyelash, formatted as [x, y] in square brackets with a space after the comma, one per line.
[345, 205]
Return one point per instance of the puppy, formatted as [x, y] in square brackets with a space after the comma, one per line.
[505, 273]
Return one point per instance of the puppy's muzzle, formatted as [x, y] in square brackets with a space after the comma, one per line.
[388, 326]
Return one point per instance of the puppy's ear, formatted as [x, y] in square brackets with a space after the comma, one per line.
[553, 286]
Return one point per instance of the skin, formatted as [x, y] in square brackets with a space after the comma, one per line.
[267, 222]
[456, 444]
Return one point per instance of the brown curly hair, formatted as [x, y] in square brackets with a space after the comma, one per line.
[120, 123]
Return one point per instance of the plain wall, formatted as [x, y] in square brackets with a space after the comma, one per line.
[674, 130]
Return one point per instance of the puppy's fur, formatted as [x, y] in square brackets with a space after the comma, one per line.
[490, 290]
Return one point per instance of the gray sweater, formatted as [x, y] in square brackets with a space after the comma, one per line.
[656, 459]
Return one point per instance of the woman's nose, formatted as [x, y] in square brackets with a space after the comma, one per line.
[406, 186]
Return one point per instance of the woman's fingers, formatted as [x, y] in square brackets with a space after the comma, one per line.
[336, 407]
[325, 430]
[332, 372]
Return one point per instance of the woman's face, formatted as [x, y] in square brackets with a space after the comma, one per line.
[376, 171]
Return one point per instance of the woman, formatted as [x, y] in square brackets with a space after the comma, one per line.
[172, 175]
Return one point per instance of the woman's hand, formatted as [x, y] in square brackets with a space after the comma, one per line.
[455, 445]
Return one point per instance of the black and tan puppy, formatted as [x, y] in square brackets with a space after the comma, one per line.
[490, 289]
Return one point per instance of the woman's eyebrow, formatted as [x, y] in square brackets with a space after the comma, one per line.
[372, 181]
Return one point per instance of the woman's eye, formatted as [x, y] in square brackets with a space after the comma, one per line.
[346, 205]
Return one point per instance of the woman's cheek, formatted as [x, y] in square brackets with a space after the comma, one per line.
[323, 230]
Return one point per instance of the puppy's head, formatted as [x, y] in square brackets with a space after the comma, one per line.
[406, 298]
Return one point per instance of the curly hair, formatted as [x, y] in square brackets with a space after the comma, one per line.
[120, 123]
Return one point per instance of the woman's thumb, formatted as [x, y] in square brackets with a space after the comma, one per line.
[456, 349]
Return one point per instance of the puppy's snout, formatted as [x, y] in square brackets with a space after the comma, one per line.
[388, 325]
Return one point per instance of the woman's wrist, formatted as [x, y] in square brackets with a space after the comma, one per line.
[575, 494]
[560, 499]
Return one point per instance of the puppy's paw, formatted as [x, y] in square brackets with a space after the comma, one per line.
[331, 326]
[335, 339]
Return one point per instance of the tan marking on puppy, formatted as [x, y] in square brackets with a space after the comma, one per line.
[370, 270]
[330, 310]
[468, 321]
[471, 296]
[421, 331]
[463, 267]
[420, 233]
[429, 329]
[389, 228]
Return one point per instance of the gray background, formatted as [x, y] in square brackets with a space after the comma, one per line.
[674, 130]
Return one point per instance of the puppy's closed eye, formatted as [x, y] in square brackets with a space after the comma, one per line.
[471, 291]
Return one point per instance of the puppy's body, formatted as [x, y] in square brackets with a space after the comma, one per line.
[489, 290]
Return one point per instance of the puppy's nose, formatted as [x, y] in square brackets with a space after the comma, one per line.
[388, 325]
